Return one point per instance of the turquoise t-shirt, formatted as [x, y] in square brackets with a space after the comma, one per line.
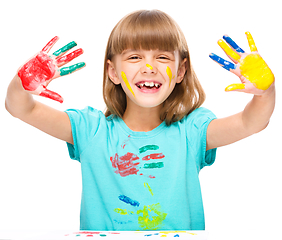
[140, 180]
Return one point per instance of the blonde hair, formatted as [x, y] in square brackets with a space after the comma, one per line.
[150, 30]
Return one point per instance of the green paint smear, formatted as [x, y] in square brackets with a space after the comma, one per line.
[148, 147]
[103, 235]
[65, 48]
[70, 69]
[154, 165]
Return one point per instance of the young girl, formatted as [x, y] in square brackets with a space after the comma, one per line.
[141, 159]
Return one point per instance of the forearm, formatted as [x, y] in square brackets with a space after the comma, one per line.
[258, 111]
[18, 101]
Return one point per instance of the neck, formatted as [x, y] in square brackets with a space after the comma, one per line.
[141, 119]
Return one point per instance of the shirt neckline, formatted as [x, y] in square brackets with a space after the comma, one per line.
[132, 133]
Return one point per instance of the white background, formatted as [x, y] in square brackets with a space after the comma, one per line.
[40, 186]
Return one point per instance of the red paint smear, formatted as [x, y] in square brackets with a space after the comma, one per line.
[37, 71]
[153, 156]
[125, 142]
[70, 56]
[125, 164]
[50, 44]
[150, 176]
[52, 95]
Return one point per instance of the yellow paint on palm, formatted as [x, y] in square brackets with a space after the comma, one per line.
[255, 69]
[126, 82]
[169, 73]
[251, 42]
[228, 50]
[149, 66]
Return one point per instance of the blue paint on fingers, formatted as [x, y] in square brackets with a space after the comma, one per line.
[225, 64]
[233, 44]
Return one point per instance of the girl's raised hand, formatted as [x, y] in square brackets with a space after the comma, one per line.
[256, 77]
[41, 69]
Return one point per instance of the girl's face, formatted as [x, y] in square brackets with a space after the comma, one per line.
[147, 76]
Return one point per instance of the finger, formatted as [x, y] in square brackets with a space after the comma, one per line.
[64, 49]
[50, 44]
[233, 44]
[225, 64]
[68, 70]
[235, 87]
[65, 59]
[52, 95]
[233, 55]
[251, 42]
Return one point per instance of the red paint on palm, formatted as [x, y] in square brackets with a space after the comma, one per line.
[37, 71]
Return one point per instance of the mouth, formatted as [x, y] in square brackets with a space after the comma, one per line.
[147, 85]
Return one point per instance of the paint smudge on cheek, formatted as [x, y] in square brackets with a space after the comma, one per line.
[169, 73]
[125, 164]
[124, 78]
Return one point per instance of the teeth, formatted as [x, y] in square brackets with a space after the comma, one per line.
[149, 84]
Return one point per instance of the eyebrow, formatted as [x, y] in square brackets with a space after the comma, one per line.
[139, 50]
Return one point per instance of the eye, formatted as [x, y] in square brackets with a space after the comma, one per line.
[164, 58]
[133, 57]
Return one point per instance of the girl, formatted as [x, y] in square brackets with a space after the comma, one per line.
[141, 159]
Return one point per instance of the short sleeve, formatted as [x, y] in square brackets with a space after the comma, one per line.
[84, 125]
[197, 125]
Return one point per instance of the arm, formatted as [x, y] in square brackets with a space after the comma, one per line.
[19, 100]
[257, 79]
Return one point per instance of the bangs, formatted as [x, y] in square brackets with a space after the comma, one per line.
[148, 30]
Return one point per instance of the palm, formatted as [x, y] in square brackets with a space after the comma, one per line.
[40, 70]
[255, 75]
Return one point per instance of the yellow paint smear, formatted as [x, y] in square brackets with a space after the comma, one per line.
[123, 211]
[151, 222]
[228, 50]
[235, 86]
[167, 232]
[149, 66]
[255, 69]
[169, 73]
[149, 188]
[251, 42]
[126, 82]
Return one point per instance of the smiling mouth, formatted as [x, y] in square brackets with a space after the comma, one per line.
[148, 85]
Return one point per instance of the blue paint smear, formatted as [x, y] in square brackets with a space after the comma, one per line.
[225, 64]
[233, 44]
[176, 235]
[129, 200]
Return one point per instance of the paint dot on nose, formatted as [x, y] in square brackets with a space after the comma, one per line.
[149, 66]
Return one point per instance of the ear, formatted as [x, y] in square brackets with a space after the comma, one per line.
[112, 72]
[181, 71]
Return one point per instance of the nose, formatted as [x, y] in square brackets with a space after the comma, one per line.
[149, 69]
